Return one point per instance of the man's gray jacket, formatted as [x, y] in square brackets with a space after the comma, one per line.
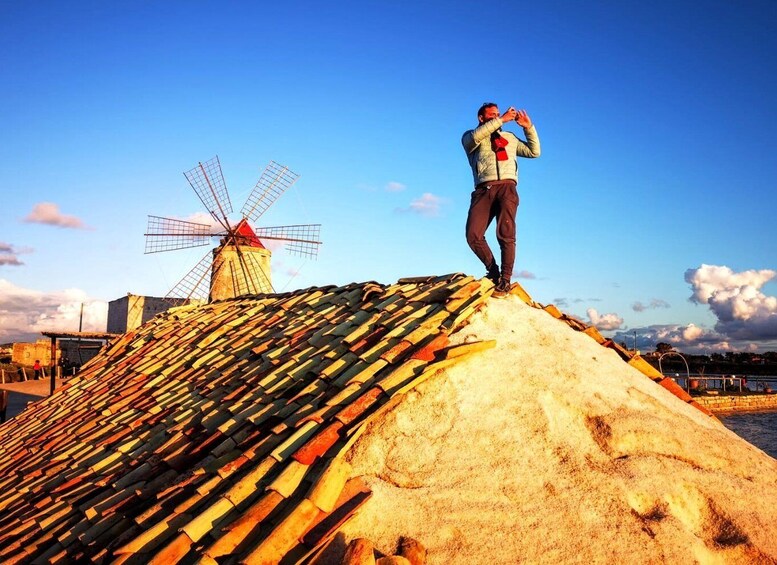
[482, 158]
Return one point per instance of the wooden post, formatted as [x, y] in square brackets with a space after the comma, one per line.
[4, 394]
[53, 363]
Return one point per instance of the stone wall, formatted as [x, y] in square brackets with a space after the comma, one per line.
[132, 311]
[732, 403]
[27, 353]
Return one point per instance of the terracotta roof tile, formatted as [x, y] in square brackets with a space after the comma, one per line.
[218, 430]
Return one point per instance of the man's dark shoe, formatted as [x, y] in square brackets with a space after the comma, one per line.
[493, 275]
[501, 289]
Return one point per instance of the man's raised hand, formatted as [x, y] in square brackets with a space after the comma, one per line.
[509, 116]
[522, 118]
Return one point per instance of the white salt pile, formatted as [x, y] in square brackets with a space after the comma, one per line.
[550, 449]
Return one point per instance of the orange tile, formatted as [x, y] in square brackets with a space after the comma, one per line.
[359, 406]
[319, 444]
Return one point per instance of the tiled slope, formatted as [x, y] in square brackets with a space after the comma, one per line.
[213, 432]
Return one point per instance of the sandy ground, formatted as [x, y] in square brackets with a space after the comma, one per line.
[550, 449]
[25, 392]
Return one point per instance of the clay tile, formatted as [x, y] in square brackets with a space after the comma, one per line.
[286, 535]
[429, 350]
[359, 406]
[675, 389]
[353, 495]
[319, 444]
[371, 290]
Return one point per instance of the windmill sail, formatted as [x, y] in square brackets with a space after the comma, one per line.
[275, 180]
[196, 283]
[301, 240]
[168, 234]
[208, 182]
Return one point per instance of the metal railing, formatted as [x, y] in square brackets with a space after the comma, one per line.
[718, 382]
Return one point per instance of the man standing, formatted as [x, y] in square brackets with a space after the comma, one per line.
[492, 156]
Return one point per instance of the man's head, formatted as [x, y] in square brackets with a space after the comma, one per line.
[488, 111]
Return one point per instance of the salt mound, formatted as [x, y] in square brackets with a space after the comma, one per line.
[550, 449]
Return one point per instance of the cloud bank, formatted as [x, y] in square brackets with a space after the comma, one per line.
[746, 318]
[48, 213]
[24, 313]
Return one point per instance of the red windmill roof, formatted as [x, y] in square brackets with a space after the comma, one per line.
[244, 231]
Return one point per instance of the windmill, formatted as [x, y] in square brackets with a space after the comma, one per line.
[240, 264]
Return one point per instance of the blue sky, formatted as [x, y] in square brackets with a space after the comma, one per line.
[655, 122]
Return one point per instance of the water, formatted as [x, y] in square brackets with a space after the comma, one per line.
[759, 428]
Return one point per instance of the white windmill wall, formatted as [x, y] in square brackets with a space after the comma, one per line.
[228, 279]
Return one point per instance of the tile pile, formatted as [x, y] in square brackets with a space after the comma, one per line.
[215, 433]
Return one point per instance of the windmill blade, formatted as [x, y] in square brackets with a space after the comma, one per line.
[208, 183]
[196, 283]
[275, 180]
[252, 279]
[167, 234]
[301, 240]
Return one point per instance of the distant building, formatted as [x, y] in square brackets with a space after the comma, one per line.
[131, 311]
[74, 351]
[27, 353]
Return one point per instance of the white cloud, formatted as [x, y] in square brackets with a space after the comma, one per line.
[24, 313]
[394, 186]
[604, 321]
[273, 244]
[427, 205]
[654, 304]
[205, 218]
[525, 275]
[736, 300]
[48, 213]
[692, 332]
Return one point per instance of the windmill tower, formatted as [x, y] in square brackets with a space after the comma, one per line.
[240, 264]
